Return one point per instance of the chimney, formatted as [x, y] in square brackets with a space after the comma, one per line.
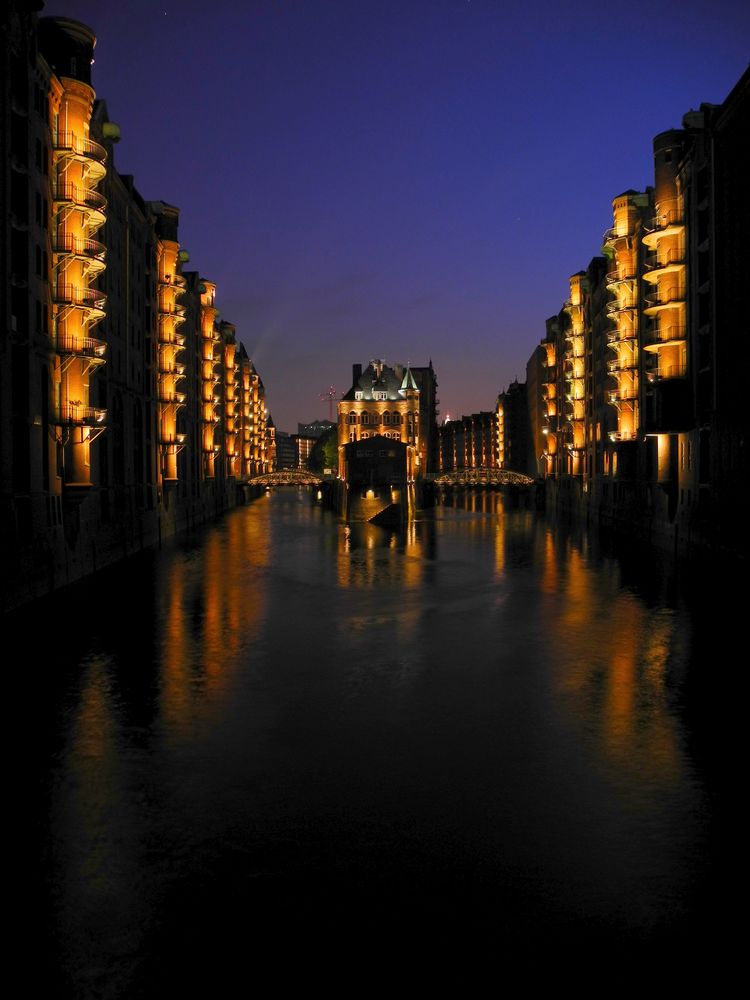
[356, 373]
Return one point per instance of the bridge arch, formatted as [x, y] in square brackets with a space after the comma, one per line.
[287, 477]
[482, 477]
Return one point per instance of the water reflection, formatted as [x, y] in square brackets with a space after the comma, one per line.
[472, 715]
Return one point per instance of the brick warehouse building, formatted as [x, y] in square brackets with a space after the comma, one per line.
[128, 409]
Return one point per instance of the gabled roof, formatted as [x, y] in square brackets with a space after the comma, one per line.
[378, 378]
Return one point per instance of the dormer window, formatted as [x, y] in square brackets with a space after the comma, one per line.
[359, 395]
[380, 395]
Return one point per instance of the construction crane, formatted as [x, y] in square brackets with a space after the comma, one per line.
[330, 398]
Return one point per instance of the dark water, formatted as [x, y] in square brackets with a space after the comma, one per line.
[291, 750]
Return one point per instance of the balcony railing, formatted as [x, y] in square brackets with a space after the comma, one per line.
[172, 398]
[626, 395]
[666, 334]
[678, 370]
[80, 196]
[171, 309]
[65, 243]
[665, 220]
[654, 261]
[611, 235]
[666, 296]
[171, 338]
[69, 142]
[88, 347]
[615, 278]
[74, 295]
[615, 307]
[77, 415]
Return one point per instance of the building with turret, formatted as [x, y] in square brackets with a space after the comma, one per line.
[382, 401]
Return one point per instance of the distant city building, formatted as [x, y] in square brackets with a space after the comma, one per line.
[468, 442]
[637, 385]
[315, 429]
[428, 411]
[286, 451]
[514, 450]
[303, 447]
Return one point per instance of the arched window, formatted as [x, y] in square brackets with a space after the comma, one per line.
[386, 417]
[352, 418]
[396, 418]
[365, 418]
[352, 435]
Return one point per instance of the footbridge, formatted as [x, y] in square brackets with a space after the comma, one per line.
[286, 477]
[480, 477]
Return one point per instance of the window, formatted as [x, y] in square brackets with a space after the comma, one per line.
[396, 418]
[365, 418]
[380, 395]
[359, 395]
[386, 417]
[352, 418]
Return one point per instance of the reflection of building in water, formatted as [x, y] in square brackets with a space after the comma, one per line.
[611, 656]
[376, 478]
[204, 625]
[370, 556]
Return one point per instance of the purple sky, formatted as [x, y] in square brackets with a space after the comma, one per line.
[399, 178]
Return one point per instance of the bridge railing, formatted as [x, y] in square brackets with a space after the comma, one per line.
[480, 477]
[286, 477]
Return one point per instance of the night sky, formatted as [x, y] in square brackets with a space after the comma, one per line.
[402, 179]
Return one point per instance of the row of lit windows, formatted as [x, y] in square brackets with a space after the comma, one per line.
[376, 418]
[353, 435]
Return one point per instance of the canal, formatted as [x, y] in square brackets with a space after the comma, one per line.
[481, 738]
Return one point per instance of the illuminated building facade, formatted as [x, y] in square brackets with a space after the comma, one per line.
[637, 411]
[382, 400]
[128, 409]
[303, 449]
[469, 442]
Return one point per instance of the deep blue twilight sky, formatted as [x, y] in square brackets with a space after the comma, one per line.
[399, 178]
